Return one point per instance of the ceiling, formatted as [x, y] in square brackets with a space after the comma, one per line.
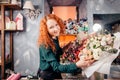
[64, 2]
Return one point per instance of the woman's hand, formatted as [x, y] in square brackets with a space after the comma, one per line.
[84, 63]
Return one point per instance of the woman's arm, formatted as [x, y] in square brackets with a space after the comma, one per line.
[48, 59]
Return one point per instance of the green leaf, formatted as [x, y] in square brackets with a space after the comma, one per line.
[113, 50]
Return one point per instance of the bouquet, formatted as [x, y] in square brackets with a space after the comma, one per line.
[96, 45]
[75, 47]
[71, 54]
[103, 49]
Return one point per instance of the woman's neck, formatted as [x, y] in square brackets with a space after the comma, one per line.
[54, 37]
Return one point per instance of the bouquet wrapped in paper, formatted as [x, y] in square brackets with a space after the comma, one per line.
[103, 49]
[96, 45]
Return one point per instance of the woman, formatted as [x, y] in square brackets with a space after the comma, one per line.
[50, 68]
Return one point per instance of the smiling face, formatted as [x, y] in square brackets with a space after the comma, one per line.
[53, 28]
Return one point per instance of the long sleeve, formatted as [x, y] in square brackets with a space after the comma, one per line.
[49, 59]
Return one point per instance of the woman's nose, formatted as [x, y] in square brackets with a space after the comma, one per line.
[56, 28]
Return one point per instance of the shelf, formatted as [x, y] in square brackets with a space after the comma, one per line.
[6, 30]
[12, 30]
[7, 62]
[4, 62]
[10, 6]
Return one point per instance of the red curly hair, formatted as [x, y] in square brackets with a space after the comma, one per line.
[44, 37]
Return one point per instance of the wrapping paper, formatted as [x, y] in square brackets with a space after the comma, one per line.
[103, 65]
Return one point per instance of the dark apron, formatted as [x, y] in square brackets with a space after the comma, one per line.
[49, 75]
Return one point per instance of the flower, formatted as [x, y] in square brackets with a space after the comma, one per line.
[92, 47]
[104, 54]
[96, 45]
[71, 54]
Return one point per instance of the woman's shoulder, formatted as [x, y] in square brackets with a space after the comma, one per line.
[42, 47]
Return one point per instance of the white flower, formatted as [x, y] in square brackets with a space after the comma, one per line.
[97, 44]
[96, 57]
[91, 39]
[103, 43]
[97, 53]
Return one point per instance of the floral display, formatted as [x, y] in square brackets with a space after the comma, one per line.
[74, 26]
[71, 54]
[110, 50]
[94, 46]
[103, 48]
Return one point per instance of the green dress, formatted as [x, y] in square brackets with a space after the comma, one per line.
[51, 61]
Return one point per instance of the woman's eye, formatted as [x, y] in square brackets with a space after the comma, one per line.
[51, 27]
[56, 24]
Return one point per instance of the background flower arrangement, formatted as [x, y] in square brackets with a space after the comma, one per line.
[74, 26]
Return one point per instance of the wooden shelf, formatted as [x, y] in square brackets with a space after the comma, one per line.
[7, 62]
[10, 30]
[7, 7]
[10, 6]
